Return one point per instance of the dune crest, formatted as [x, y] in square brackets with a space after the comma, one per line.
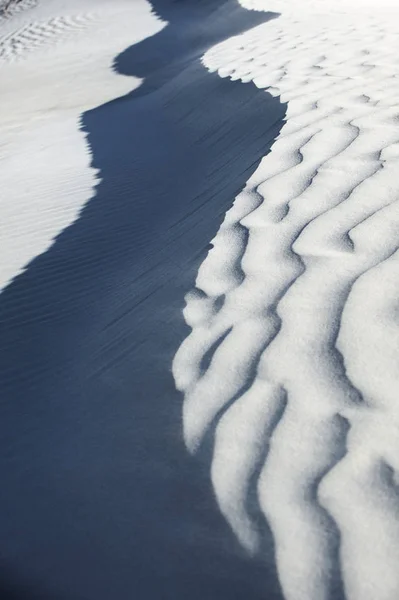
[290, 364]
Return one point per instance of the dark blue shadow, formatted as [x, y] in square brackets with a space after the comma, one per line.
[100, 500]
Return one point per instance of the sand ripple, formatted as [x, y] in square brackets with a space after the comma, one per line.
[291, 361]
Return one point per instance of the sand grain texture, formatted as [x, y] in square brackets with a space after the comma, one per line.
[299, 385]
[246, 445]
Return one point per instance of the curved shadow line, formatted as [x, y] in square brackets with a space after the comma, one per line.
[102, 498]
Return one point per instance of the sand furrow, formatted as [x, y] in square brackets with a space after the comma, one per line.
[294, 310]
[9, 8]
[37, 35]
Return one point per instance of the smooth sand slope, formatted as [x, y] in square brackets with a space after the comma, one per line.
[291, 365]
[55, 62]
[119, 155]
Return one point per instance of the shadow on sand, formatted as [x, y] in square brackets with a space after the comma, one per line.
[102, 500]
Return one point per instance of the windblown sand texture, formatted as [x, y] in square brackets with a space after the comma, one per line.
[119, 155]
[250, 443]
[45, 87]
[294, 313]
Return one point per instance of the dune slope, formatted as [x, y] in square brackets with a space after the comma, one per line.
[294, 375]
[132, 152]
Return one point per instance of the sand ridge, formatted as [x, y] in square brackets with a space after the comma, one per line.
[290, 362]
[290, 366]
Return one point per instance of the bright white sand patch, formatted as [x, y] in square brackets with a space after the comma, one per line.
[321, 6]
[55, 63]
[305, 269]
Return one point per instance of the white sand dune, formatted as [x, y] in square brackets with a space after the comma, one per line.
[41, 50]
[295, 307]
[108, 201]
[291, 364]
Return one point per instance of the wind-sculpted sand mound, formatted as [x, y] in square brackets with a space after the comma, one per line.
[291, 362]
[120, 150]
